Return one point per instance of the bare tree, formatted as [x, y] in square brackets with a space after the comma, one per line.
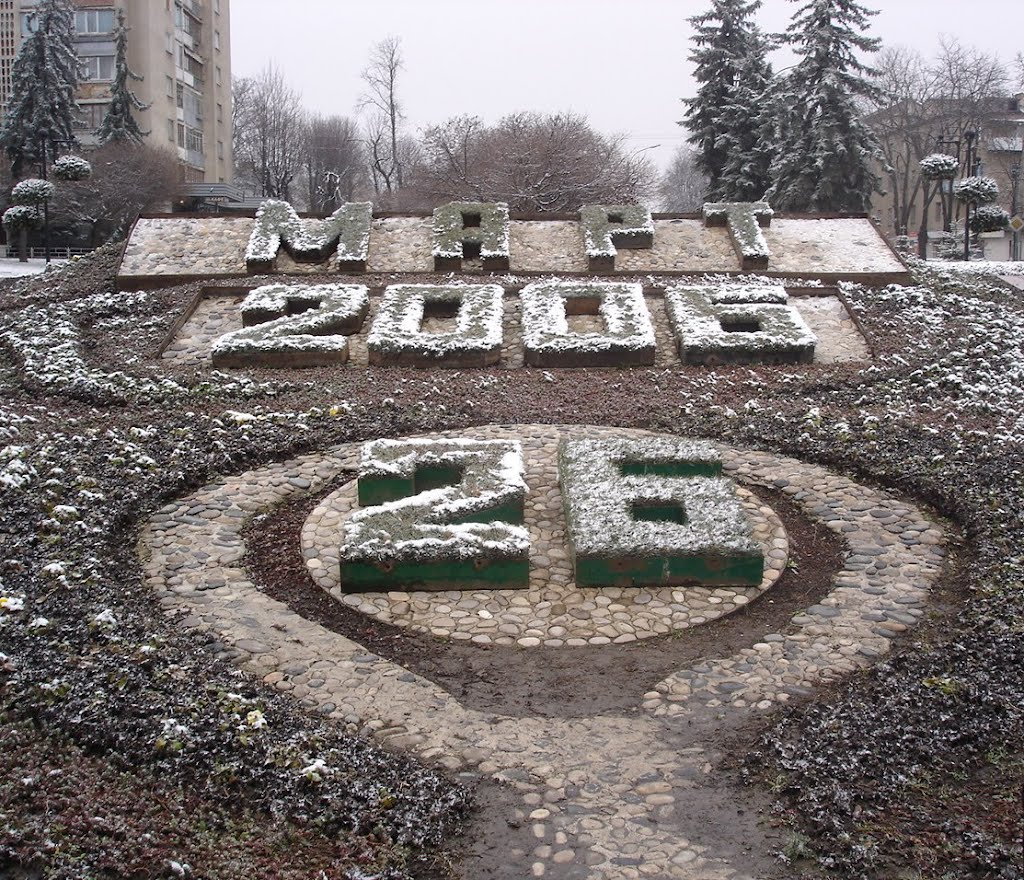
[126, 180]
[928, 106]
[334, 162]
[268, 132]
[683, 186]
[385, 115]
[907, 125]
[534, 162]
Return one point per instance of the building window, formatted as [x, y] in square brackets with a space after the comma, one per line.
[180, 95]
[90, 116]
[220, 112]
[170, 130]
[216, 7]
[96, 68]
[220, 149]
[170, 87]
[218, 76]
[193, 106]
[94, 21]
[181, 135]
[169, 43]
[193, 140]
[216, 39]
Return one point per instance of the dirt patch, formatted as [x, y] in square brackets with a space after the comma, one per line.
[544, 682]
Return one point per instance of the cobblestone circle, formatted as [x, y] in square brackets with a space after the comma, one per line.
[603, 796]
[553, 611]
[838, 337]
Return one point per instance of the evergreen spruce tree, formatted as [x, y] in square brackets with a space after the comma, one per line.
[41, 110]
[118, 123]
[824, 151]
[748, 128]
[727, 113]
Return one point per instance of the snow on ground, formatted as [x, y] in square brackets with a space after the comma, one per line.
[11, 267]
[983, 267]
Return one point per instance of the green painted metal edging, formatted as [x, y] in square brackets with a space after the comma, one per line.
[659, 511]
[379, 490]
[677, 468]
[459, 574]
[702, 570]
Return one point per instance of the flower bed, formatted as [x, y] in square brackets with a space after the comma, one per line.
[745, 221]
[628, 339]
[346, 234]
[294, 326]
[445, 514]
[468, 230]
[397, 337]
[730, 332]
[654, 511]
[609, 227]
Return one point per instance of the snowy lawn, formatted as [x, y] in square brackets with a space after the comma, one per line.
[12, 267]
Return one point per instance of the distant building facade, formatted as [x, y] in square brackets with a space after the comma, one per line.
[998, 152]
[182, 48]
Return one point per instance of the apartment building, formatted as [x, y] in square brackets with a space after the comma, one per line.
[182, 48]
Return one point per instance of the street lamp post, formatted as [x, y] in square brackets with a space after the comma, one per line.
[1015, 172]
[46, 204]
[969, 136]
[43, 153]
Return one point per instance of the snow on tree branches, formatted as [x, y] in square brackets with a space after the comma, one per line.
[118, 123]
[976, 190]
[41, 111]
[939, 166]
[728, 118]
[824, 150]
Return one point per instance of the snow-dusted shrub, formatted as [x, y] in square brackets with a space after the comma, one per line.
[294, 326]
[748, 292]
[32, 191]
[654, 511]
[465, 230]
[71, 168]
[939, 166]
[397, 336]
[736, 333]
[346, 234]
[18, 217]
[444, 513]
[976, 190]
[744, 221]
[628, 338]
[990, 218]
[609, 227]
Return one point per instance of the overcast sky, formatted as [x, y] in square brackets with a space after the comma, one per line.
[622, 63]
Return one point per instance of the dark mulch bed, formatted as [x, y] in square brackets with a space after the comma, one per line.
[544, 682]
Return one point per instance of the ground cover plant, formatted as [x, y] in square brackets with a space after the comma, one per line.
[914, 766]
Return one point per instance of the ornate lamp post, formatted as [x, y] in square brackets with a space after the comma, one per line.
[969, 136]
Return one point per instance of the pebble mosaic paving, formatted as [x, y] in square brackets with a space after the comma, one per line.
[189, 247]
[603, 796]
[554, 611]
[838, 338]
